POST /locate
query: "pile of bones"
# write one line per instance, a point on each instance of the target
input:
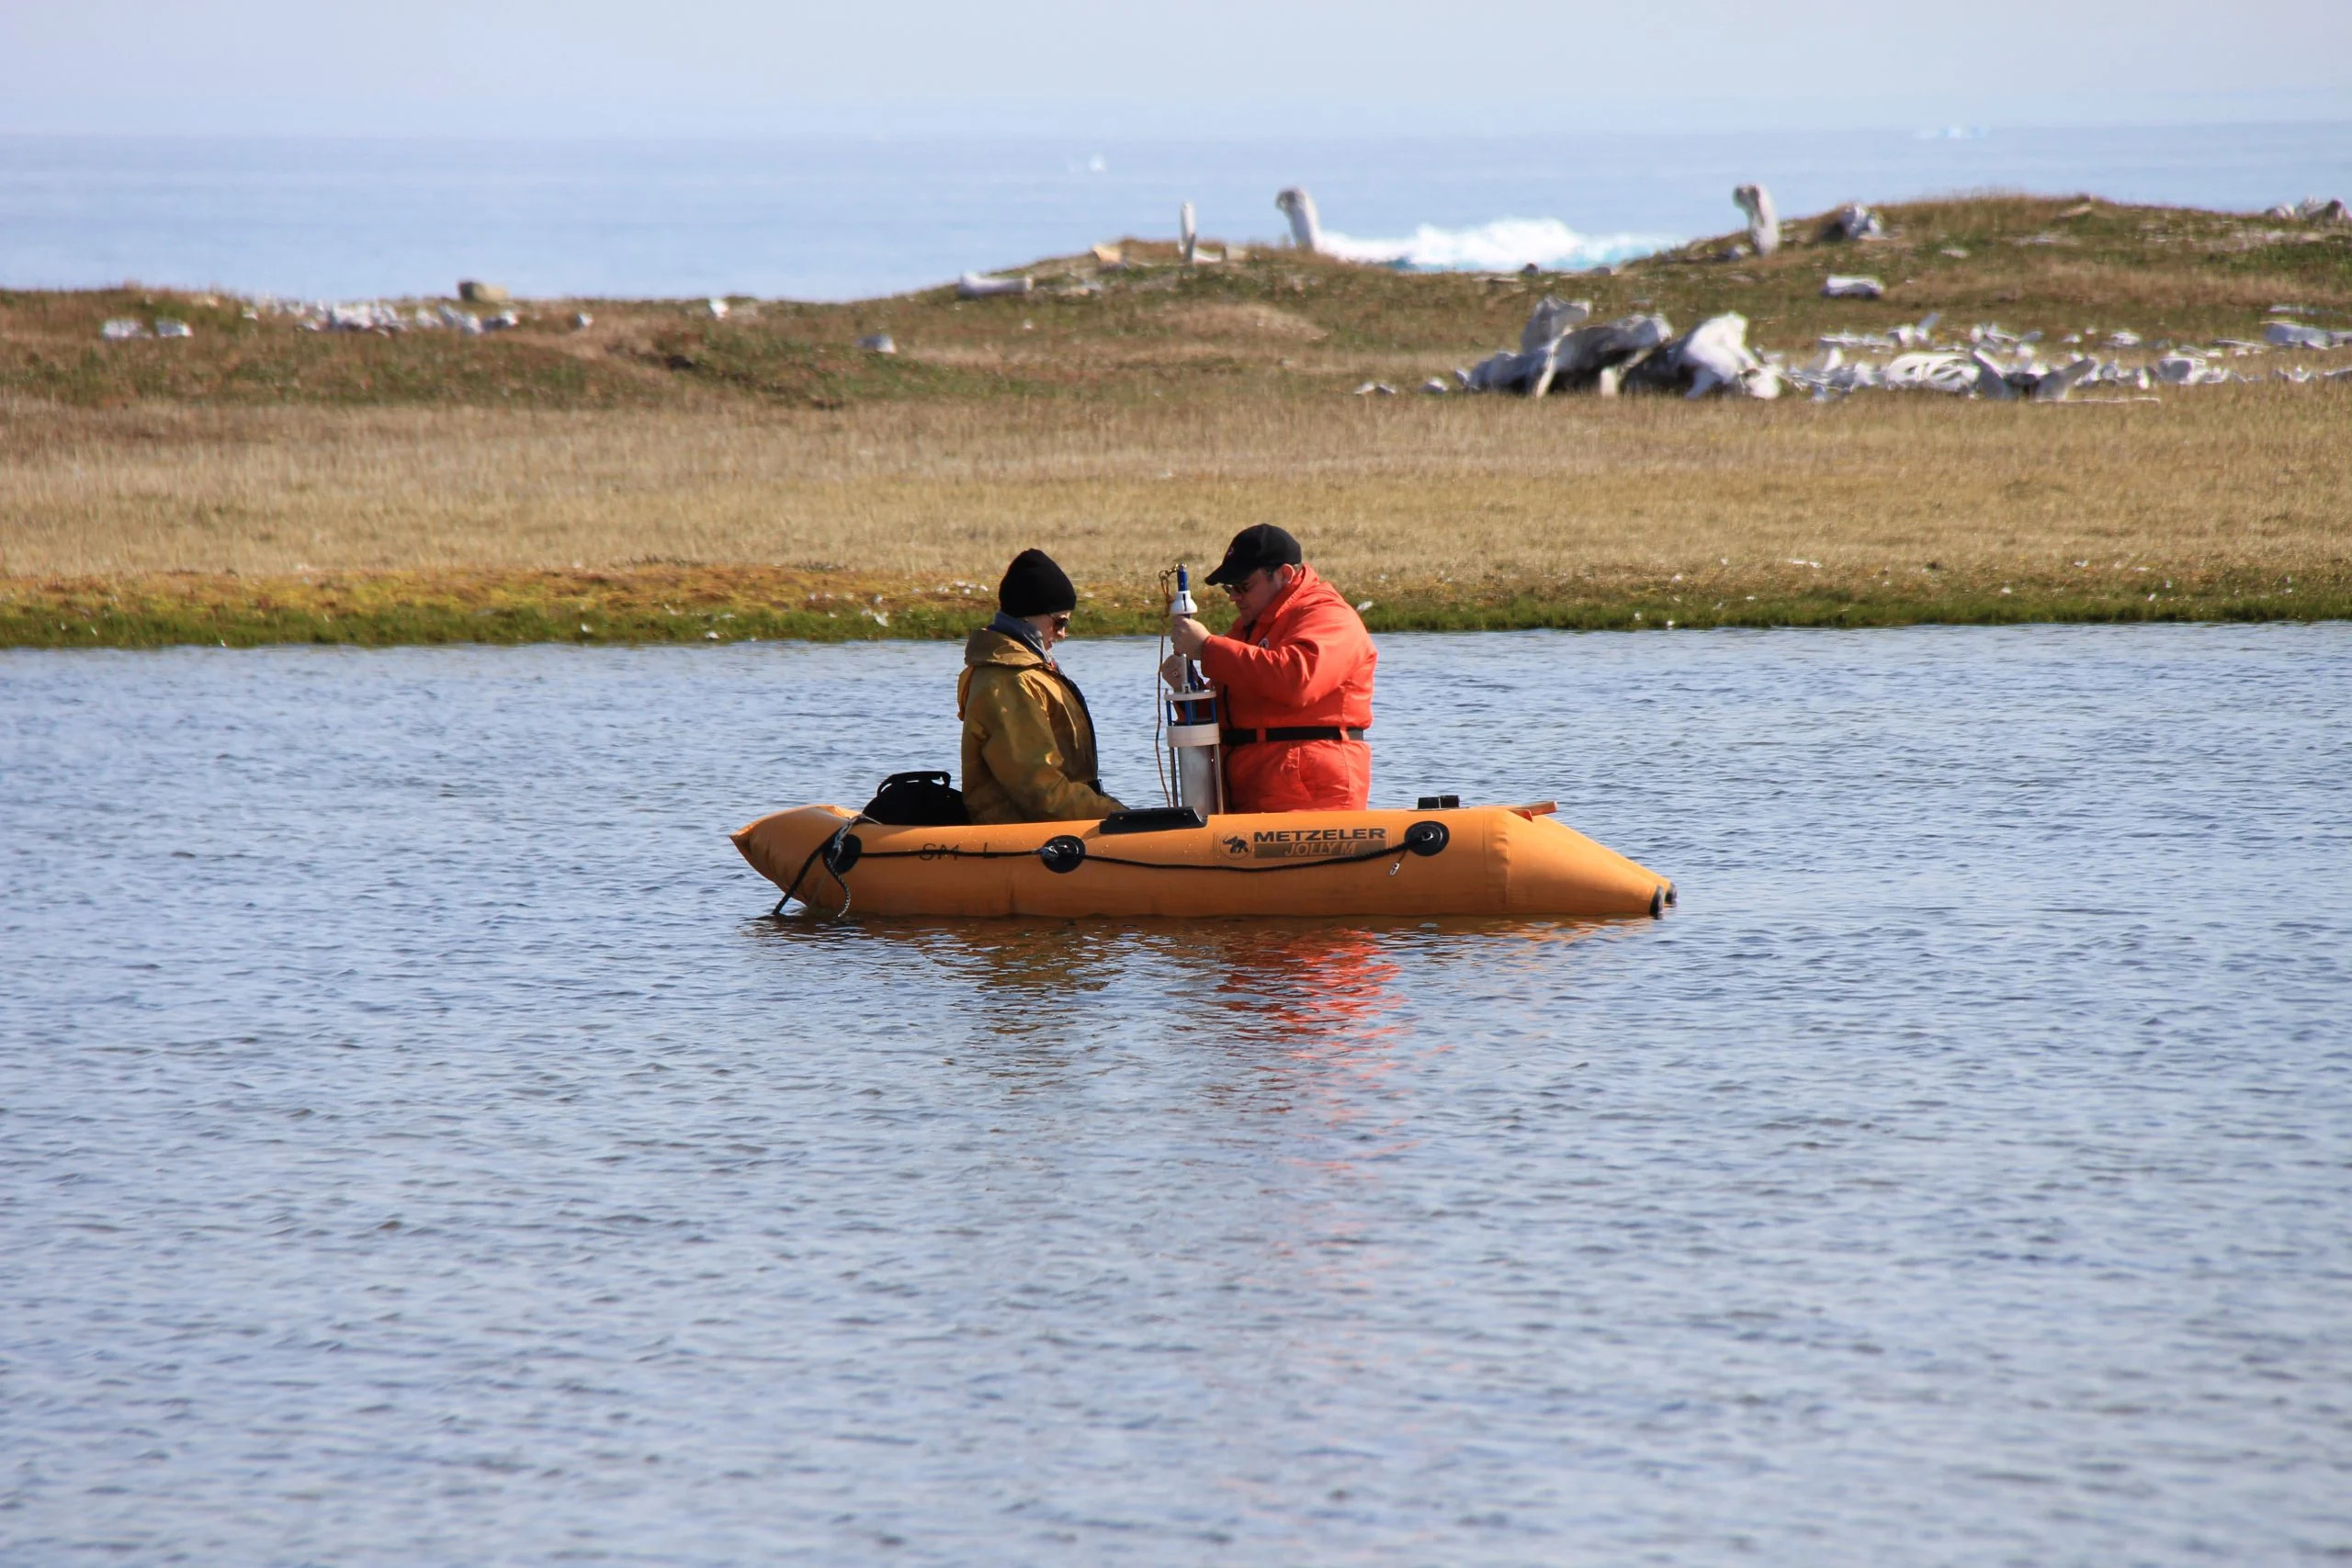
(1560, 350)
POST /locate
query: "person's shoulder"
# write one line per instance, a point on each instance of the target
(985, 677)
(1317, 596)
(988, 648)
(1008, 682)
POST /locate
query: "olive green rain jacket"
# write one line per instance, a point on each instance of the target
(1028, 739)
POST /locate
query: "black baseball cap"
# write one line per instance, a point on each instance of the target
(1259, 545)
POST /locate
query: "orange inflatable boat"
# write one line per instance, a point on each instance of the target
(1480, 860)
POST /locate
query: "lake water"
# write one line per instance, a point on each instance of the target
(422, 1147)
(849, 216)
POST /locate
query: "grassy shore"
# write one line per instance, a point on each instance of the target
(663, 475)
(739, 603)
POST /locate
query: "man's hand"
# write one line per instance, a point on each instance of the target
(1189, 636)
(1172, 670)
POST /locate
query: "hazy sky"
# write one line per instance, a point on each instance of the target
(690, 66)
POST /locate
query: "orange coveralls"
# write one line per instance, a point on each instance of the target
(1306, 662)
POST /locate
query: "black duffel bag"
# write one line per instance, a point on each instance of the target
(917, 800)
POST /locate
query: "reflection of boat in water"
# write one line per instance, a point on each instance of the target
(1485, 859)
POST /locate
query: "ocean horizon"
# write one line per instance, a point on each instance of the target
(864, 214)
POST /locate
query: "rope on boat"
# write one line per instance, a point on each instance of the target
(1065, 853)
(835, 862)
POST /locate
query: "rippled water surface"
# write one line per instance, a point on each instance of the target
(422, 1147)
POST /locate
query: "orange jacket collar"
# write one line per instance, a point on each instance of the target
(1274, 605)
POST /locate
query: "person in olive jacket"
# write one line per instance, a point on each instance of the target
(1028, 739)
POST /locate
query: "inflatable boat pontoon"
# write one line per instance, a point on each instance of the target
(1480, 860)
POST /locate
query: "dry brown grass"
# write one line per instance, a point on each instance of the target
(1414, 489)
(1123, 420)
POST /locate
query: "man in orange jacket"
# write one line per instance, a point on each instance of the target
(1294, 678)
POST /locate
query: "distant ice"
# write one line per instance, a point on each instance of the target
(1504, 245)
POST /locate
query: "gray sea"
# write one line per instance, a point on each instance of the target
(843, 216)
(422, 1145)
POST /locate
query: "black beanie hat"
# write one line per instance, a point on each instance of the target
(1033, 586)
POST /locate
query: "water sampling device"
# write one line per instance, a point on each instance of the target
(1195, 746)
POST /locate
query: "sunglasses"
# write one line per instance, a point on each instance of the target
(1061, 623)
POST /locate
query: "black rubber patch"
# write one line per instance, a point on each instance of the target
(1427, 838)
(842, 852)
(1152, 819)
(1062, 853)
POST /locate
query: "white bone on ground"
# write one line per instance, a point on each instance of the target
(1763, 219)
(1306, 227)
(1716, 356)
(1551, 321)
(2294, 335)
(1854, 221)
(1933, 372)
(2056, 387)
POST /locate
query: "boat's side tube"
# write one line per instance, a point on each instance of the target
(1481, 861)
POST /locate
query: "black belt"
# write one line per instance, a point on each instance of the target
(1291, 732)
